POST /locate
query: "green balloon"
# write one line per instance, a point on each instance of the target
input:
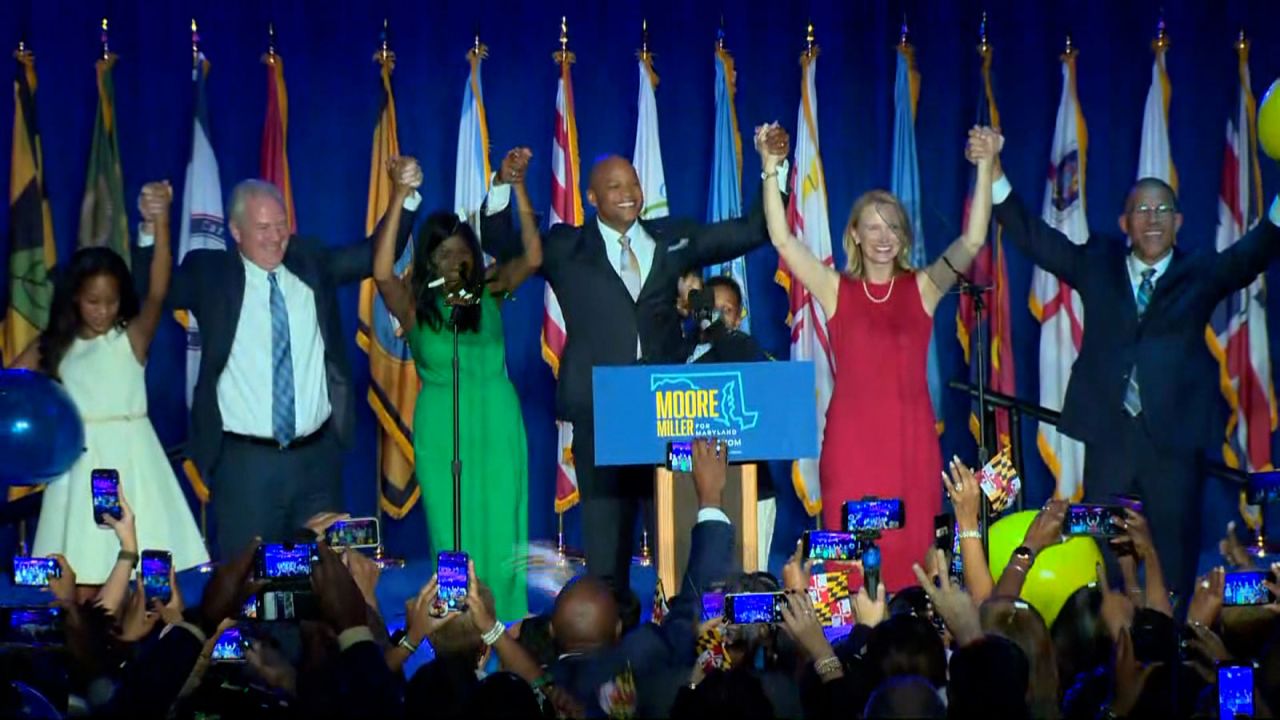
(1058, 571)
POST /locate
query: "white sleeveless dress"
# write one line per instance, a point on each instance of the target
(108, 385)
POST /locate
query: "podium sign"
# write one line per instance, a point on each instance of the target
(762, 410)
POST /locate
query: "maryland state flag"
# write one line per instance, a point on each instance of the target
(103, 217)
(275, 133)
(32, 253)
(988, 271)
(393, 382)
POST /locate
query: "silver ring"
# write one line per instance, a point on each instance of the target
(959, 486)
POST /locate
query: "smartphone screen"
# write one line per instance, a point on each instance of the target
(106, 495)
(864, 515)
(1246, 588)
(278, 605)
(1264, 487)
(712, 605)
(32, 625)
(286, 560)
(229, 647)
(957, 560)
(35, 571)
(751, 608)
(353, 533)
(451, 576)
(680, 456)
(250, 609)
(1235, 691)
(1099, 521)
(832, 545)
(155, 575)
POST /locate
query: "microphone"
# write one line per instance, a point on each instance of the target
(871, 570)
(967, 286)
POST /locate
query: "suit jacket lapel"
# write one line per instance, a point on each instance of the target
(660, 244)
(235, 290)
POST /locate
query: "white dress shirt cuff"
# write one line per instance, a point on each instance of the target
(145, 239)
(195, 631)
(412, 202)
(712, 514)
(1274, 212)
(1000, 190)
(351, 636)
(499, 196)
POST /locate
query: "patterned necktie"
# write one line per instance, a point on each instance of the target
(630, 267)
(282, 406)
(1132, 398)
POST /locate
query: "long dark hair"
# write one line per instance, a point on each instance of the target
(64, 314)
(438, 227)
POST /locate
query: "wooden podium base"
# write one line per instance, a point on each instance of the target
(676, 506)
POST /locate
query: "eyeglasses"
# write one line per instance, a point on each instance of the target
(1161, 211)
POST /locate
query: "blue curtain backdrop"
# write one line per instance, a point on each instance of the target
(333, 102)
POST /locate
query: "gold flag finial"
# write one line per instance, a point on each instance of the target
(902, 39)
(384, 55)
(1069, 50)
(808, 38)
(1162, 36)
(1242, 42)
(195, 43)
(983, 45)
(720, 34)
(644, 37)
(563, 55)
(106, 48)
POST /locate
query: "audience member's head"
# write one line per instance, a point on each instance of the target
(752, 645)
(733, 694)
(728, 300)
(441, 689)
(688, 282)
(1020, 622)
(503, 695)
(459, 638)
(585, 616)
(905, 696)
(1080, 640)
(1171, 690)
(989, 678)
(534, 635)
(1155, 637)
(907, 645)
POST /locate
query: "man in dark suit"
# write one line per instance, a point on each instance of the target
(1142, 392)
(586, 624)
(614, 277)
(273, 405)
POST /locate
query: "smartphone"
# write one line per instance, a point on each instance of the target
(106, 495)
(282, 561)
(1099, 521)
(354, 533)
(250, 609)
(35, 571)
(865, 515)
(1246, 588)
(832, 545)
(230, 647)
(957, 559)
(1235, 691)
(1263, 487)
(451, 578)
(34, 625)
(752, 608)
(680, 456)
(280, 605)
(156, 565)
(712, 605)
(944, 531)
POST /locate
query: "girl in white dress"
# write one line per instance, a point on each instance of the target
(96, 345)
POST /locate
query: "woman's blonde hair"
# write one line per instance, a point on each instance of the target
(876, 198)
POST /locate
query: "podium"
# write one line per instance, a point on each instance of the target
(762, 411)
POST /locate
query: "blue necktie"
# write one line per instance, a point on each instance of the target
(1132, 399)
(282, 406)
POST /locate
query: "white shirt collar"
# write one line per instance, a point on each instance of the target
(611, 236)
(1136, 266)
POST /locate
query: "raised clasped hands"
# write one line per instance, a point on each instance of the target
(984, 145)
(405, 173)
(514, 166)
(773, 144)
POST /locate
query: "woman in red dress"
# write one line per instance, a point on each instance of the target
(880, 437)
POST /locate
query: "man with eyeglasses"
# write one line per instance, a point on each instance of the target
(1142, 394)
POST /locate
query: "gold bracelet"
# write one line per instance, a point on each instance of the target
(828, 665)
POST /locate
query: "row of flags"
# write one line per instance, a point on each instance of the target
(1237, 333)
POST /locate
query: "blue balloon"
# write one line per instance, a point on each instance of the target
(41, 434)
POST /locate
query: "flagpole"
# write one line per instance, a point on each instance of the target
(645, 558)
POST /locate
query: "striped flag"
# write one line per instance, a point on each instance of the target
(905, 185)
(393, 380)
(103, 217)
(275, 133)
(472, 171)
(725, 194)
(647, 157)
(1055, 304)
(566, 207)
(1237, 331)
(989, 270)
(32, 252)
(1155, 157)
(807, 216)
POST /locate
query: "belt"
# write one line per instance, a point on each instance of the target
(295, 444)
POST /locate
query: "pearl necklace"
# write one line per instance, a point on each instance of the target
(883, 300)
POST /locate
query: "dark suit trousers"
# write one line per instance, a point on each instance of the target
(263, 491)
(1169, 484)
(611, 499)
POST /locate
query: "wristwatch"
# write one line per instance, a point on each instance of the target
(777, 170)
(1024, 553)
(400, 638)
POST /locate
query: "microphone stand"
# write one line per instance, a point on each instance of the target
(456, 466)
(979, 348)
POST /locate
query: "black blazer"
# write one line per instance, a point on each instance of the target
(210, 284)
(601, 319)
(1177, 375)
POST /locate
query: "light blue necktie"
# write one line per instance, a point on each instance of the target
(282, 406)
(1132, 399)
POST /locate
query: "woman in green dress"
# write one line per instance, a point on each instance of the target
(448, 269)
